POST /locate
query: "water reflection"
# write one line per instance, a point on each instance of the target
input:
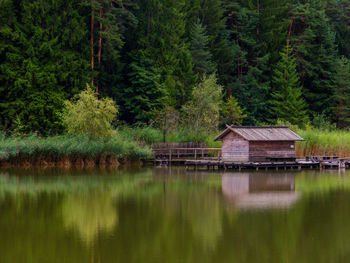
(259, 191)
(171, 215)
(90, 214)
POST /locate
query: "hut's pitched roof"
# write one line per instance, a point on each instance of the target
(265, 133)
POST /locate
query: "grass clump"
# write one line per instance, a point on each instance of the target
(54, 149)
(324, 142)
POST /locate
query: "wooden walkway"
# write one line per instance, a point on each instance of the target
(210, 158)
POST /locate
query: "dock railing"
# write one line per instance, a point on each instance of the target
(187, 153)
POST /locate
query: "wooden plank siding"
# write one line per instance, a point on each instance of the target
(235, 148)
(265, 150)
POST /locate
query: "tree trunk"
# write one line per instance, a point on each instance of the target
(92, 41)
(99, 45)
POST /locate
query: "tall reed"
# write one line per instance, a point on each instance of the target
(54, 149)
(323, 142)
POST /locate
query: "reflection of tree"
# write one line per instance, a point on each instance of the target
(202, 209)
(90, 214)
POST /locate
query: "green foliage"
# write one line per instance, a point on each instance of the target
(202, 111)
(146, 92)
(141, 134)
(287, 102)
(322, 122)
(90, 116)
(232, 113)
(72, 147)
(149, 55)
(342, 94)
(314, 43)
(43, 60)
(200, 53)
(324, 142)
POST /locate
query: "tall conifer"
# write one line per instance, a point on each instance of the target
(287, 103)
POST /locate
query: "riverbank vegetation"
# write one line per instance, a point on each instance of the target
(69, 151)
(285, 59)
(174, 70)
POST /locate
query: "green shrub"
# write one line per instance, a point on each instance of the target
(90, 116)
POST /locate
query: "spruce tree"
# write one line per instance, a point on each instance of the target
(244, 67)
(145, 95)
(313, 39)
(287, 103)
(232, 113)
(342, 95)
(201, 56)
(43, 60)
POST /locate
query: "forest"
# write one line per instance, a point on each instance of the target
(199, 64)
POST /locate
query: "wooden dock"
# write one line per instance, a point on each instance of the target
(211, 158)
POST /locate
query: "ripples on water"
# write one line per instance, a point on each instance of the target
(170, 215)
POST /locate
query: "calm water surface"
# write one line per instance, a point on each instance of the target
(170, 215)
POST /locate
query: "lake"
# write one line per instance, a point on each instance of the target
(171, 215)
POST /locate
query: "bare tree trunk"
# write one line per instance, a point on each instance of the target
(99, 45)
(92, 41)
(289, 34)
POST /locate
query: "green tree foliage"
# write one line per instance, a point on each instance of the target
(287, 103)
(342, 95)
(313, 40)
(43, 60)
(200, 53)
(90, 116)
(148, 55)
(146, 93)
(201, 113)
(244, 69)
(232, 113)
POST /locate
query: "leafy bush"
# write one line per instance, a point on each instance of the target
(89, 116)
(202, 110)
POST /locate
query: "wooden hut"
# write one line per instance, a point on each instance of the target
(258, 144)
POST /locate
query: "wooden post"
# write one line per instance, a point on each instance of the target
(202, 153)
(170, 155)
(195, 154)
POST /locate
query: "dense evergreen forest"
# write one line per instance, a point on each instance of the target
(252, 61)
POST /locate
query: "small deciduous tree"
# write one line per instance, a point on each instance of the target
(231, 112)
(202, 110)
(90, 116)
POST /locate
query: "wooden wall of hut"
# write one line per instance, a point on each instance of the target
(235, 148)
(264, 151)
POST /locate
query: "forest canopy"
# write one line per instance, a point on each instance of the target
(273, 60)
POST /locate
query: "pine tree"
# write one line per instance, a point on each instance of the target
(43, 60)
(313, 40)
(244, 67)
(287, 103)
(201, 56)
(145, 95)
(342, 96)
(232, 113)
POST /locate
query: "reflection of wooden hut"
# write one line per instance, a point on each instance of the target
(271, 143)
(253, 191)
